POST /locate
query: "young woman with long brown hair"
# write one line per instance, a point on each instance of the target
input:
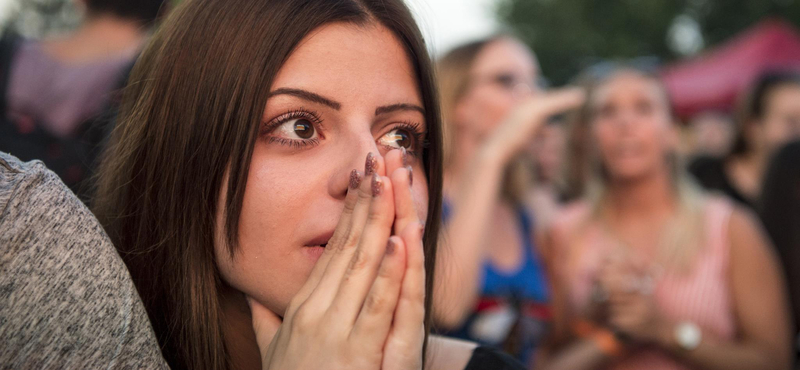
(268, 183)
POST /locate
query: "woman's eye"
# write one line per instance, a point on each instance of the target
(398, 138)
(298, 128)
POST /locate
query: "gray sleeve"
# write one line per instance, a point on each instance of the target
(66, 299)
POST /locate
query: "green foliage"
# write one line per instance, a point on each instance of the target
(36, 18)
(569, 35)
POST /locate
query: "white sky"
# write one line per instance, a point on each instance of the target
(445, 23)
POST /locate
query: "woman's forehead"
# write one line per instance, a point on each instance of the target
(352, 63)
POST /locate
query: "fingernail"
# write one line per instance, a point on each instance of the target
(355, 179)
(377, 185)
(390, 247)
(371, 164)
(405, 156)
(410, 175)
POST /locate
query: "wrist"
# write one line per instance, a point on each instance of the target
(608, 343)
(680, 338)
(665, 336)
(493, 155)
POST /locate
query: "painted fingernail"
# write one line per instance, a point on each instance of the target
(377, 185)
(390, 246)
(410, 175)
(355, 179)
(371, 164)
(405, 156)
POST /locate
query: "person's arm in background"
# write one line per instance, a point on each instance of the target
(68, 300)
(563, 350)
(461, 253)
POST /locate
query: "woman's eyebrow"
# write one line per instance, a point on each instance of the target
(398, 107)
(307, 95)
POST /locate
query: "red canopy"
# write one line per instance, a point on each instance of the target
(714, 80)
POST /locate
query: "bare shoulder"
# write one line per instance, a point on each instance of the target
(750, 249)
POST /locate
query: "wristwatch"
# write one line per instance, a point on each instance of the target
(688, 335)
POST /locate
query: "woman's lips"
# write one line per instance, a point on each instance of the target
(314, 251)
(320, 240)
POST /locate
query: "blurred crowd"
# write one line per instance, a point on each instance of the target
(614, 234)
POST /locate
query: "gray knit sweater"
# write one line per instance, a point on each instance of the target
(66, 298)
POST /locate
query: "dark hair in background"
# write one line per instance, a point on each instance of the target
(753, 107)
(780, 212)
(190, 115)
(144, 11)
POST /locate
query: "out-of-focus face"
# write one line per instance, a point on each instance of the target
(781, 121)
(344, 92)
(502, 73)
(713, 134)
(632, 126)
(548, 150)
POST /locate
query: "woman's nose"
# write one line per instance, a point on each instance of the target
(365, 158)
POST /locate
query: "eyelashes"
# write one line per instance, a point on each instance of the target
(417, 134)
(276, 131)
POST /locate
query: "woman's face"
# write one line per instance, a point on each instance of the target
(781, 122)
(632, 126)
(344, 92)
(503, 72)
(547, 150)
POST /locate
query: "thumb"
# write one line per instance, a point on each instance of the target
(265, 324)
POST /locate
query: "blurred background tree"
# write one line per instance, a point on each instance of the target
(570, 35)
(36, 18)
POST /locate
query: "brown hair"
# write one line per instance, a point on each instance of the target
(190, 114)
(753, 106)
(453, 73)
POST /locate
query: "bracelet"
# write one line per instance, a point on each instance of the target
(584, 328)
(608, 343)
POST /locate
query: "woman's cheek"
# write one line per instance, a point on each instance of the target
(419, 193)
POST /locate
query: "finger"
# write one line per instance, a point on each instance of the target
(339, 235)
(363, 266)
(410, 314)
(265, 324)
(344, 247)
(375, 318)
(405, 209)
(394, 160)
(558, 101)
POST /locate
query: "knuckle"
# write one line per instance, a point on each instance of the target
(359, 261)
(364, 195)
(337, 241)
(303, 320)
(350, 204)
(351, 240)
(376, 303)
(376, 215)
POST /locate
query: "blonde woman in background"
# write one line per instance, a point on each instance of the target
(650, 272)
(492, 287)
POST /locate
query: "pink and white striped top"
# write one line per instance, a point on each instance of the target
(701, 295)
